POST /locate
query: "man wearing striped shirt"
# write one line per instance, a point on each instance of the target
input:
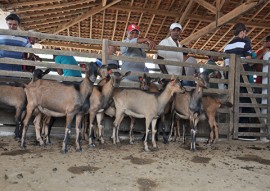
(241, 46)
(13, 22)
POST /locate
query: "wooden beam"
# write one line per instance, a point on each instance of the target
(58, 11)
(79, 29)
(115, 23)
(80, 18)
(207, 5)
(149, 26)
(229, 30)
(141, 16)
(27, 3)
(70, 45)
(91, 26)
(54, 6)
(186, 12)
(103, 24)
(152, 19)
(127, 22)
(209, 39)
(169, 13)
(104, 2)
(222, 20)
(56, 16)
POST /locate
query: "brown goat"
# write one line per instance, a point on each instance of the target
(189, 106)
(59, 99)
(140, 104)
(100, 101)
(13, 95)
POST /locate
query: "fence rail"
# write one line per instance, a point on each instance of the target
(233, 82)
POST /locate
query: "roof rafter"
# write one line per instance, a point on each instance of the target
(55, 6)
(80, 18)
(176, 14)
(207, 5)
(243, 8)
(187, 10)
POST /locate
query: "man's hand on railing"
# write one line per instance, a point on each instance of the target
(151, 44)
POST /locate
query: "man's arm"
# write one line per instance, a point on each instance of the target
(60, 71)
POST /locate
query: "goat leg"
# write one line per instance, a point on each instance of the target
(184, 133)
(177, 133)
(154, 122)
(100, 116)
(91, 131)
(146, 149)
(26, 124)
(78, 132)
(118, 119)
(164, 136)
(67, 132)
(37, 124)
(193, 140)
(172, 127)
(131, 137)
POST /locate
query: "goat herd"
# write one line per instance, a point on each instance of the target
(47, 99)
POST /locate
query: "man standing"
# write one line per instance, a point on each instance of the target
(61, 59)
(133, 36)
(172, 40)
(13, 22)
(241, 46)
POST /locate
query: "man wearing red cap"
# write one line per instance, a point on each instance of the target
(172, 40)
(133, 32)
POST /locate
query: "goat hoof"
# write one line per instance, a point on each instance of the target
(92, 145)
(193, 150)
(131, 142)
(23, 147)
(64, 151)
(146, 150)
(79, 150)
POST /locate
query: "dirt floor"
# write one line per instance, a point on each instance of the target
(235, 165)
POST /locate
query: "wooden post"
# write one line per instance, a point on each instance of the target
(267, 129)
(236, 97)
(231, 87)
(105, 44)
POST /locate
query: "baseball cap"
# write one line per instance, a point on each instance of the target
(13, 16)
(175, 25)
(133, 27)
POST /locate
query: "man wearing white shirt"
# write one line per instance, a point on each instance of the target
(173, 41)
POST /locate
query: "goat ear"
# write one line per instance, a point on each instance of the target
(47, 71)
(127, 74)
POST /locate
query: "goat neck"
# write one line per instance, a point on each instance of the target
(86, 88)
(107, 91)
(195, 99)
(166, 95)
